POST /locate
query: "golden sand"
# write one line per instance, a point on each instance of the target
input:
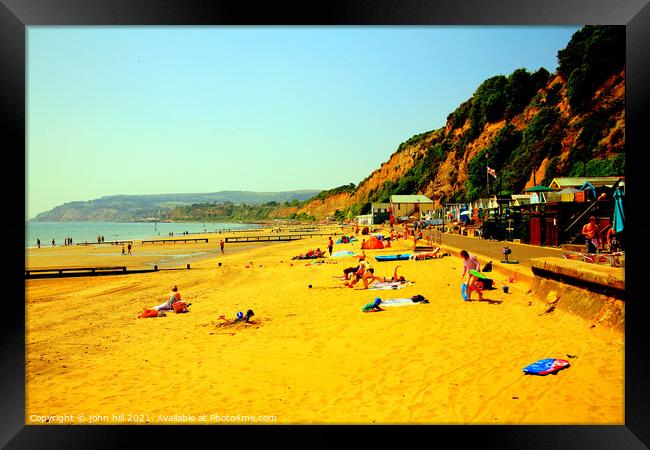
(312, 356)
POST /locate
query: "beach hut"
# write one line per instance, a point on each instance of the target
(410, 205)
(521, 199)
(567, 194)
(577, 182)
(588, 192)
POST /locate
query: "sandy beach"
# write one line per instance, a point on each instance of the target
(311, 356)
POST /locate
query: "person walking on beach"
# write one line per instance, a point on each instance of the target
(38, 243)
(221, 244)
(123, 250)
(330, 245)
(129, 248)
(590, 232)
(470, 263)
(53, 243)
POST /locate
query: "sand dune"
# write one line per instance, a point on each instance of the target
(312, 356)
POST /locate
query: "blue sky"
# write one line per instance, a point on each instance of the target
(153, 110)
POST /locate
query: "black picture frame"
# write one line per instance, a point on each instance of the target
(16, 15)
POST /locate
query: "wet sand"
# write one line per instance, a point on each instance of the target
(312, 356)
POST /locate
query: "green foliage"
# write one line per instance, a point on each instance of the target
(600, 167)
(303, 217)
(495, 155)
(520, 89)
(553, 95)
(488, 104)
(459, 116)
(384, 192)
(541, 138)
(593, 54)
(578, 90)
(595, 126)
(337, 190)
(552, 170)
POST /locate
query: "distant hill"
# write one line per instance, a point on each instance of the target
(123, 208)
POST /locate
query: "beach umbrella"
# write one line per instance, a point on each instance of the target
(619, 214)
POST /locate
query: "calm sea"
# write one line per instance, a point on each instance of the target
(88, 231)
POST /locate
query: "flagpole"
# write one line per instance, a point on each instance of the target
(487, 178)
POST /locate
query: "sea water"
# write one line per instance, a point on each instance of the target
(113, 231)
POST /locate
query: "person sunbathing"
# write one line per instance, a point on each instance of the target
(394, 279)
(311, 254)
(174, 296)
(427, 255)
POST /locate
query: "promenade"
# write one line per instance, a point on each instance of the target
(485, 248)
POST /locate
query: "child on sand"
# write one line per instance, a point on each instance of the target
(470, 263)
(240, 317)
(372, 306)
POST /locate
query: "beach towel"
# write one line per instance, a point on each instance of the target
(546, 366)
(343, 254)
(148, 313)
(400, 302)
(385, 285)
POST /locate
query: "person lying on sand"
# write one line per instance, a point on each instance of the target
(174, 296)
(311, 254)
(240, 317)
(394, 279)
(372, 306)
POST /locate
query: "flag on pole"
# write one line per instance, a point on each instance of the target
(491, 171)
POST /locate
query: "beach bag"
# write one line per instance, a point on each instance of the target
(149, 313)
(179, 307)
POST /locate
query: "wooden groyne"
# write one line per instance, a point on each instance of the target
(275, 238)
(105, 242)
(195, 240)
